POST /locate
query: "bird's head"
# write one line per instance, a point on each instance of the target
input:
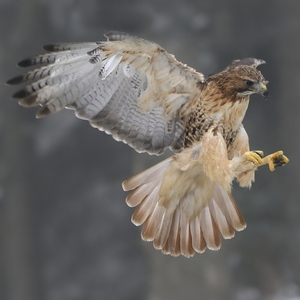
(248, 80)
(241, 78)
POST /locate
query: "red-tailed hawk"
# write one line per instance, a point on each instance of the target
(140, 94)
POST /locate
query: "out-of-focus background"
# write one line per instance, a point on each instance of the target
(65, 230)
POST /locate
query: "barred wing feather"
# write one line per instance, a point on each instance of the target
(126, 86)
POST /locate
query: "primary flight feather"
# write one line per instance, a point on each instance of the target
(134, 90)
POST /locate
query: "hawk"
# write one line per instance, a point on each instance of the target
(136, 91)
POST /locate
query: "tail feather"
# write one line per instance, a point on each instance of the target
(185, 237)
(135, 197)
(163, 233)
(225, 228)
(146, 176)
(153, 223)
(172, 245)
(198, 241)
(229, 208)
(210, 230)
(145, 208)
(185, 225)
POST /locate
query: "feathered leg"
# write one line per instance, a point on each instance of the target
(244, 162)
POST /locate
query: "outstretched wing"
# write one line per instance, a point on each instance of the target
(126, 86)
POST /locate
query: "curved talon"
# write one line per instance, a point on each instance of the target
(259, 152)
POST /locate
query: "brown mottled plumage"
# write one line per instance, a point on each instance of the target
(140, 94)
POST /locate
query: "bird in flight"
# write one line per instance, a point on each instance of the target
(136, 91)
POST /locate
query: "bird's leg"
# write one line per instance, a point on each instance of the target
(274, 160)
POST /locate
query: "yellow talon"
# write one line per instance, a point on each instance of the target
(259, 152)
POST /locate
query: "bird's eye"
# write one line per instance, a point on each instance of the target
(249, 83)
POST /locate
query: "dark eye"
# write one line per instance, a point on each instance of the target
(249, 83)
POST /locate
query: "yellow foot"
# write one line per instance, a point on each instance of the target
(255, 156)
(274, 160)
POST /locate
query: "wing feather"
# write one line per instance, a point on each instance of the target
(126, 86)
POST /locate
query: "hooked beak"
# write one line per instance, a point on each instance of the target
(261, 89)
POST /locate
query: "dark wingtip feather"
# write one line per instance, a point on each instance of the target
(27, 62)
(43, 112)
(28, 101)
(50, 47)
(20, 94)
(16, 80)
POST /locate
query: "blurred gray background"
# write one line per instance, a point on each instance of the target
(65, 230)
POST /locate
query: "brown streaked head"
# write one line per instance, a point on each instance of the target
(240, 79)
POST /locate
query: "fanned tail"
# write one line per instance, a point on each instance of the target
(185, 225)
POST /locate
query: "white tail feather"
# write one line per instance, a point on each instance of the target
(172, 245)
(229, 208)
(185, 237)
(198, 240)
(225, 228)
(145, 208)
(211, 233)
(153, 223)
(146, 176)
(163, 232)
(136, 196)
